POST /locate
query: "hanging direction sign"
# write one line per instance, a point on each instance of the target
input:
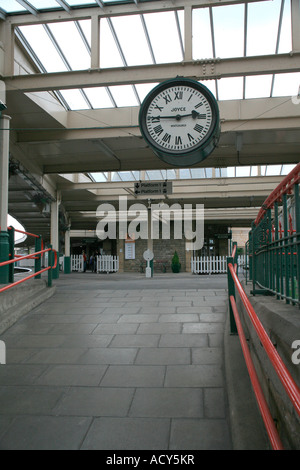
(150, 188)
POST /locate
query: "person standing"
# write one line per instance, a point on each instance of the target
(84, 261)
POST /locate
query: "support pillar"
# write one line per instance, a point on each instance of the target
(150, 240)
(295, 18)
(4, 172)
(67, 258)
(55, 233)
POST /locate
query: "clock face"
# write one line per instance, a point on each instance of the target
(178, 117)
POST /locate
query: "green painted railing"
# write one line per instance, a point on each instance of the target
(274, 243)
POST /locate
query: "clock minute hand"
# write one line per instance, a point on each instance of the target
(194, 114)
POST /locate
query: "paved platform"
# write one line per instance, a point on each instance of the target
(119, 362)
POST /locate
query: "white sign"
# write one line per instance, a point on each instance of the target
(160, 187)
(129, 250)
(148, 255)
(2, 353)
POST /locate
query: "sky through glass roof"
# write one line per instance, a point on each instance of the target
(221, 31)
(153, 38)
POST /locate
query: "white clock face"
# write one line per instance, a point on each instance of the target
(178, 118)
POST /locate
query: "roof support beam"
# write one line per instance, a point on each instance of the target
(63, 4)
(28, 7)
(200, 70)
(120, 9)
(295, 15)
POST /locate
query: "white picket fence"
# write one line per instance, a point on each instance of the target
(104, 263)
(77, 263)
(107, 264)
(213, 264)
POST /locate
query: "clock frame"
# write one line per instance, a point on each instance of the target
(179, 119)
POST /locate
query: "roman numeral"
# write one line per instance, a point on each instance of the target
(178, 95)
(153, 118)
(201, 116)
(178, 140)
(167, 99)
(166, 138)
(198, 105)
(190, 137)
(198, 128)
(160, 108)
(158, 129)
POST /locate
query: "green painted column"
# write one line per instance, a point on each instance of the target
(54, 233)
(67, 257)
(4, 169)
(4, 256)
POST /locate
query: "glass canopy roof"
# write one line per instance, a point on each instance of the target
(224, 31)
(194, 173)
(154, 38)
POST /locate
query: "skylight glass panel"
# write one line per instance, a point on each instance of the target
(258, 86)
(202, 40)
(198, 173)
(11, 6)
(127, 176)
(75, 3)
(44, 4)
(286, 84)
(74, 99)
(242, 171)
(86, 27)
(211, 85)
(154, 175)
(185, 173)
(254, 170)
(132, 39)
(171, 174)
(144, 88)
(287, 168)
(229, 30)
(230, 88)
(164, 38)
(285, 43)
(98, 97)
(43, 47)
(273, 170)
(109, 54)
(115, 176)
(263, 21)
(99, 177)
(123, 95)
(228, 172)
(71, 44)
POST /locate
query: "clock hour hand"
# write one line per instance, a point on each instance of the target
(194, 115)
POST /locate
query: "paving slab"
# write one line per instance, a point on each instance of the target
(118, 362)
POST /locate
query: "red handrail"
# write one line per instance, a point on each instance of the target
(284, 187)
(284, 375)
(23, 280)
(4, 263)
(25, 233)
(263, 406)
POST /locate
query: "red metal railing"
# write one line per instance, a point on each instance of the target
(261, 401)
(285, 187)
(284, 375)
(35, 256)
(31, 275)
